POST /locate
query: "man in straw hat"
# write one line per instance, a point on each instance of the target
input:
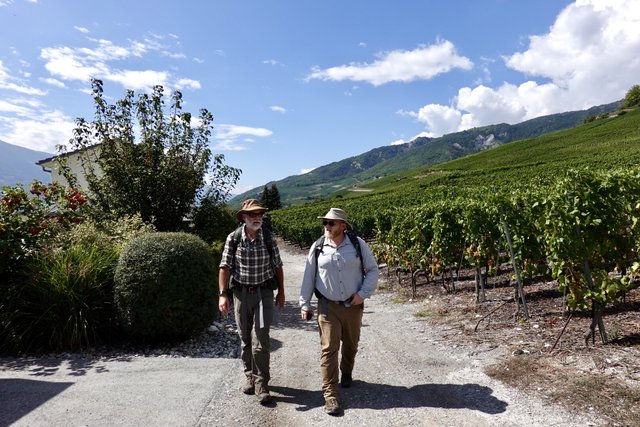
(252, 260)
(342, 272)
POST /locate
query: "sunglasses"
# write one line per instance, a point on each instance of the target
(329, 223)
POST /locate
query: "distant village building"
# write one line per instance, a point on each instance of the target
(73, 160)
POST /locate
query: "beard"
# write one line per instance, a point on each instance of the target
(253, 225)
(333, 233)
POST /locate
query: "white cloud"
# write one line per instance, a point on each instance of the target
(421, 135)
(439, 118)
(272, 62)
(13, 107)
(187, 84)
(230, 137)
(54, 82)
(9, 2)
(278, 109)
(72, 64)
(81, 29)
(7, 82)
(81, 64)
(422, 63)
(303, 171)
(139, 80)
(40, 133)
(398, 142)
(22, 89)
(587, 58)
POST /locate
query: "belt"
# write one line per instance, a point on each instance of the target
(251, 289)
(344, 303)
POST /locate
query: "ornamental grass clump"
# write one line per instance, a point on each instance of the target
(165, 287)
(61, 301)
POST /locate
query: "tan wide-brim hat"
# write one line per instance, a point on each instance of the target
(250, 206)
(337, 214)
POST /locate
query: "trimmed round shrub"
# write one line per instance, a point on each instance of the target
(165, 286)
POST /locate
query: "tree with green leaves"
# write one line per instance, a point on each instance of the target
(160, 167)
(632, 98)
(270, 197)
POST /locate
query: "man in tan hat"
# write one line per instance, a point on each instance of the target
(342, 271)
(251, 260)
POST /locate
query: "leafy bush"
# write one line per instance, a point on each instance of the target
(29, 217)
(165, 286)
(61, 300)
(113, 232)
(62, 296)
(632, 98)
(213, 221)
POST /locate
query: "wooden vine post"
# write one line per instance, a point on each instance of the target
(521, 298)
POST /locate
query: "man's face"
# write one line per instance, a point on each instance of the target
(333, 228)
(253, 221)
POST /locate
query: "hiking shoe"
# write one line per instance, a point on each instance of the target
(332, 406)
(249, 387)
(346, 380)
(262, 391)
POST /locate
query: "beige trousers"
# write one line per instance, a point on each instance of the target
(339, 324)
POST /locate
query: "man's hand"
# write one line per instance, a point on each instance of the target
(306, 313)
(223, 305)
(356, 299)
(280, 300)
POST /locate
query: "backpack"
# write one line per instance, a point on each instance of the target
(266, 238)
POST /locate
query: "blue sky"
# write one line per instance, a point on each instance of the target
(297, 84)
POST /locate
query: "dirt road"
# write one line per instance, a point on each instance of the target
(406, 374)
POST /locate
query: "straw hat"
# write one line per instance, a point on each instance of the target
(337, 214)
(250, 206)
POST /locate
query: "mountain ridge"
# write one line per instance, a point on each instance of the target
(18, 165)
(422, 151)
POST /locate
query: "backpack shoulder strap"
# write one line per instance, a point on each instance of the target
(356, 243)
(319, 244)
(266, 237)
(235, 241)
(237, 235)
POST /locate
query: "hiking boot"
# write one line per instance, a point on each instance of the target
(332, 406)
(346, 380)
(249, 387)
(262, 391)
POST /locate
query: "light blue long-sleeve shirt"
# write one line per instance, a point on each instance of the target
(339, 272)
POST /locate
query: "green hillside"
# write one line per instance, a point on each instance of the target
(382, 162)
(602, 144)
(605, 144)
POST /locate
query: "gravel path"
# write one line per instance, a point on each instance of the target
(406, 374)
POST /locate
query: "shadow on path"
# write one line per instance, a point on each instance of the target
(78, 365)
(18, 397)
(383, 396)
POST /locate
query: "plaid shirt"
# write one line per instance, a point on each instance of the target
(252, 263)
